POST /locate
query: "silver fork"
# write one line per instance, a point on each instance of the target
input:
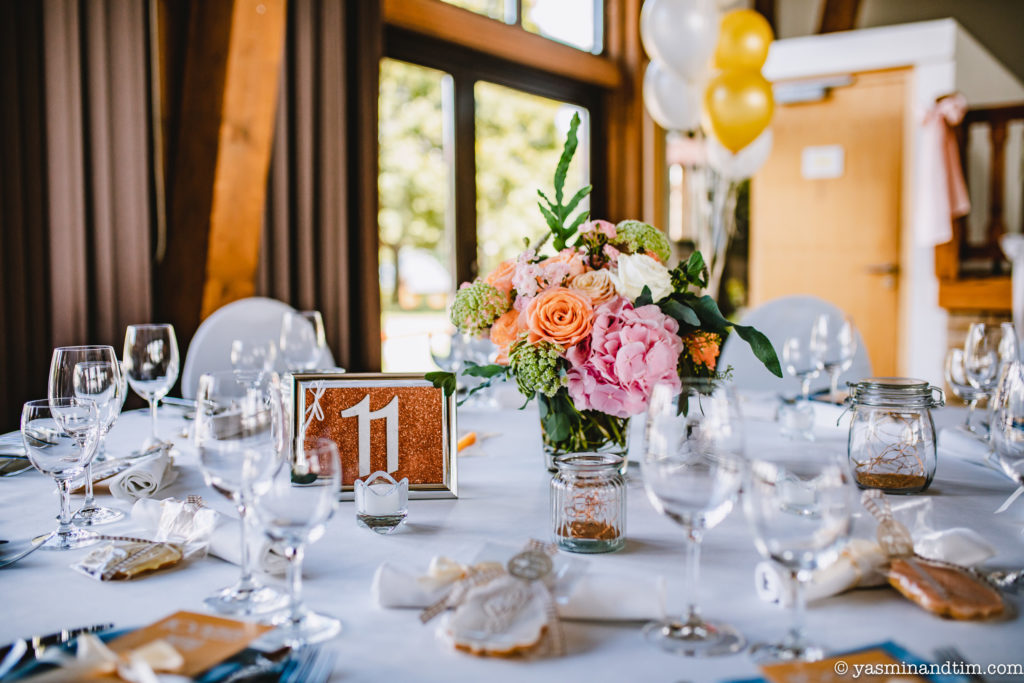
(306, 657)
(952, 655)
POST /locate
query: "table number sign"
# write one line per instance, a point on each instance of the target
(399, 424)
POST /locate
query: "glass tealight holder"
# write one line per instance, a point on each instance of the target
(381, 502)
(588, 503)
(796, 420)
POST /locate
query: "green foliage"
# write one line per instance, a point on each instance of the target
(637, 237)
(443, 380)
(555, 212)
(569, 430)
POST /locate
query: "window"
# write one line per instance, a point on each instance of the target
(574, 22)
(465, 142)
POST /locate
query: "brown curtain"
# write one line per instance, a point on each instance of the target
(74, 183)
(320, 230)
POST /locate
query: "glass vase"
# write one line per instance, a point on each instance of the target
(585, 431)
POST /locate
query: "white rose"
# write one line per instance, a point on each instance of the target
(637, 270)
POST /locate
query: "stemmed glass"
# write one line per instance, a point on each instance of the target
(294, 507)
(692, 471)
(60, 436)
(151, 363)
(956, 378)
(798, 502)
(92, 373)
(837, 340)
(1008, 424)
(804, 360)
(251, 358)
(239, 433)
(302, 339)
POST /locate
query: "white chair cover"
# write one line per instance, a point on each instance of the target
(255, 319)
(778, 320)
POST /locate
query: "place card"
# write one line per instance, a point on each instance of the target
(202, 640)
(400, 424)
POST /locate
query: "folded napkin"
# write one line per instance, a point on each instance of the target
(220, 534)
(594, 596)
(145, 479)
(860, 563)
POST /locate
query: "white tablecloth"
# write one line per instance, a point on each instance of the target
(504, 498)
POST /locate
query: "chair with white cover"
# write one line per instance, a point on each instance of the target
(779, 319)
(254, 319)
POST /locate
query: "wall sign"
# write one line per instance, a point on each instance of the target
(400, 424)
(822, 162)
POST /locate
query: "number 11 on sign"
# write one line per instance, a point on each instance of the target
(362, 412)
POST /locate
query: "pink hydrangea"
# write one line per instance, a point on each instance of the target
(628, 353)
(607, 227)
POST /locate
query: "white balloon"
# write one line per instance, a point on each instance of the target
(672, 101)
(744, 163)
(681, 33)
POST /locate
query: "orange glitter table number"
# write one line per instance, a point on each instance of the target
(396, 423)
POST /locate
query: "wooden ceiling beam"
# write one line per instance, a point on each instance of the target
(225, 127)
(838, 15)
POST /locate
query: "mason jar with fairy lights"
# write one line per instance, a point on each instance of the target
(892, 435)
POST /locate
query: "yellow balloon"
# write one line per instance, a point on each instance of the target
(739, 106)
(743, 40)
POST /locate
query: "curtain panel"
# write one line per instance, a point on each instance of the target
(319, 246)
(75, 183)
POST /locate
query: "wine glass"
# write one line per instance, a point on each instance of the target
(89, 372)
(151, 363)
(804, 360)
(302, 339)
(956, 378)
(294, 507)
(798, 502)
(981, 356)
(60, 436)
(239, 435)
(1008, 424)
(251, 358)
(837, 339)
(692, 471)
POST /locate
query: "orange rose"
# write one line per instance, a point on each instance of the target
(503, 332)
(703, 347)
(560, 315)
(501, 277)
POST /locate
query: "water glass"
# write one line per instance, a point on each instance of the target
(294, 506)
(151, 363)
(804, 359)
(91, 373)
(837, 339)
(692, 471)
(60, 436)
(302, 339)
(240, 438)
(956, 379)
(253, 357)
(1008, 424)
(798, 502)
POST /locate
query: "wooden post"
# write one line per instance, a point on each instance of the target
(838, 15)
(218, 186)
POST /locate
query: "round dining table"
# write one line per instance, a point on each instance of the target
(504, 498)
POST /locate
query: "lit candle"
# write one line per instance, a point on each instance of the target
(381, 502)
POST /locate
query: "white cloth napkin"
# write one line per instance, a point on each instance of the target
(145, 479)
(859, 564)
(594, 597)
(223, 541)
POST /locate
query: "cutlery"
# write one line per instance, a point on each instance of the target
(36, 645)
(12, 551)
(11, 465)
(17, 650)
(952, 655)
(311, 665)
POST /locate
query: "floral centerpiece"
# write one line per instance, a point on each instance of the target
(590, 329)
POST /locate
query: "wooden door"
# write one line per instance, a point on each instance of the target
(837, 238)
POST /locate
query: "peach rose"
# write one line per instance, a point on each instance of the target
(501, 277)
(503, 332)
(597, 284)
(568, 257)
(560, 315)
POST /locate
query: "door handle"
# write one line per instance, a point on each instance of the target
(882, 269)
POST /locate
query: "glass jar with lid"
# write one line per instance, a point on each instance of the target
(892, 435)
(588, 502)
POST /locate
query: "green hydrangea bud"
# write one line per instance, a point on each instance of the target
(637, 236)
(535, 366)
(477, 306)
